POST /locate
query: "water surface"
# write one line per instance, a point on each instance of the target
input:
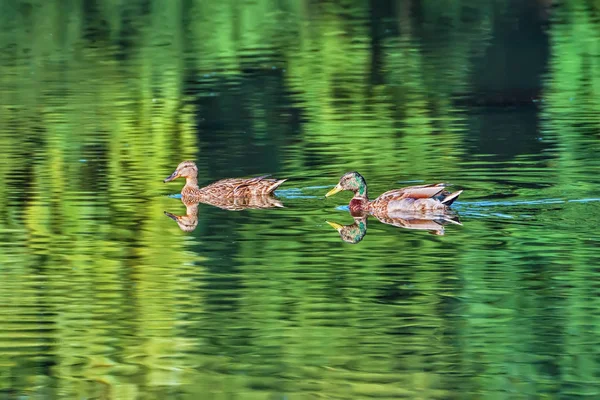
(103, 296)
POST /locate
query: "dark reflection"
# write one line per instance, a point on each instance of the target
(434, 223)
(189, 221)
(102, 99)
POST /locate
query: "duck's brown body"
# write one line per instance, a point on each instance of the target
(224, 190)
(423, 198)
(231, 188)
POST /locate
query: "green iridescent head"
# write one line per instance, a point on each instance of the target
(352, 181)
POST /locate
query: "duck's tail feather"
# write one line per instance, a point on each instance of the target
(452, 219)
(448, 200)
(274, 186)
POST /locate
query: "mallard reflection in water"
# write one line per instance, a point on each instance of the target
(434, 223)
(352, 233)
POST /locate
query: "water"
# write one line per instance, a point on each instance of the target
(103, 296)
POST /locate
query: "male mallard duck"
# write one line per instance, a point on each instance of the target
(425, 198)
(225, 188)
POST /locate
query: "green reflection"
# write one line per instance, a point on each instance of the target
(103, 296)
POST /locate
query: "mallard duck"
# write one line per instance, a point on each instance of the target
(223, 189)
(425, 198)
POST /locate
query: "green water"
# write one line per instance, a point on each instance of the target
(103, 297)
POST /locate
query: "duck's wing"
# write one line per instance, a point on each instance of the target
(259, 185)
(242, 187)
(423, 191)
(414, 192)
(252, 181)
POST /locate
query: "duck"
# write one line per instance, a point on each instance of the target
(424, 198)
(229, 188)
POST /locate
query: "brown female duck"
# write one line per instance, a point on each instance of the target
(425, 198)
(224, 189)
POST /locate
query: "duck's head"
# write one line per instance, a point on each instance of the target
(187, 223)
(185, 169)
(352, 233)
(352, 181)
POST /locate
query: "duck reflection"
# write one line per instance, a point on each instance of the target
(189, 221)
(352, 233)
(434, 223)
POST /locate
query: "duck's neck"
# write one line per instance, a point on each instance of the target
(191, 182)
(358, 205)
(191, 187)
(361, 192)
(360, 201)
(361, 197)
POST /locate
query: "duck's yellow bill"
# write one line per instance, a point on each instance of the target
(335, 226)
(333, 191)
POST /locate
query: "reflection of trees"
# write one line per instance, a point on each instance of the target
(569, 113)
(570, 123)
(98, 103)
(95, 301)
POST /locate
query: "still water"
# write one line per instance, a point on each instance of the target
(103, 296)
